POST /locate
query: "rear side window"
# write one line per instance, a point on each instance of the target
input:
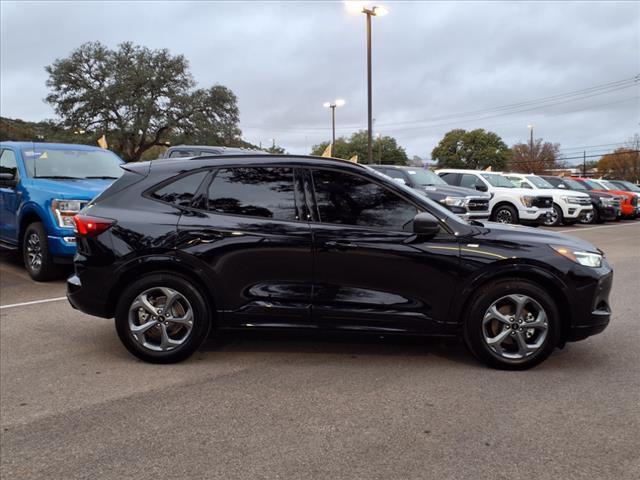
(351, 200)
(266, 192)
(181, 191)
(448, 177)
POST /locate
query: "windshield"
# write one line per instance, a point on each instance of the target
(538, 181)
(593, 185)
(573, 185)
(425, 178)
(497, 180)
(630, 187)
(45, 163)
(609, 185)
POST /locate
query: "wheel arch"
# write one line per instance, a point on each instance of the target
(160, 265)
(26, 219)
(544, 279)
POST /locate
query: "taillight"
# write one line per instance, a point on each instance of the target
(91, 226)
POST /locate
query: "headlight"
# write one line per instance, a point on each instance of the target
(455, 201)
(609, 201)
(588, 259)
(527, 200)
(572, 199)
(64, 210)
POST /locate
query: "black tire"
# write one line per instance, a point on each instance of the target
(473, 329)
(201, 317)
(36, 255)
(591, 219)
(557, 220)
(505, 214)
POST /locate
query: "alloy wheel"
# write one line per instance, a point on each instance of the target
(515, 327)
(160, 319)
(551, 219)
(34, 251)
(504, 216)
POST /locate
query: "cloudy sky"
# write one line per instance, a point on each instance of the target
(565, 67)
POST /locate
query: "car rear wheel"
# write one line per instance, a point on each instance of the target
(36, 255)
(162, 318)
(512, 325)
(505, 214)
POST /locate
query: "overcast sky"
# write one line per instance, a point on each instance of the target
(433, 63)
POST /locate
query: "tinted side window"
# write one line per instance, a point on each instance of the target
(469, 181)
(254, 191)
(181, 191)
(351, 200)
(448, 177)
(8, 163)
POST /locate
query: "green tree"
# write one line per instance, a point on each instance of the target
(475, 149)
(385, 149)
(139, 98)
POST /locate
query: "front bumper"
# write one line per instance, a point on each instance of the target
(62, 246)
(608, 213)
(594, 314)
(534, 215)
(575, 212)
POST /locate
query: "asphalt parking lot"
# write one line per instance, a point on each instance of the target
(75, 404)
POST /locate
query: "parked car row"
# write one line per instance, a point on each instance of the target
(521, 198)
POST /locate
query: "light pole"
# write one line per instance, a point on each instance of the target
(375, 11)
(530, 127)
(332, 105)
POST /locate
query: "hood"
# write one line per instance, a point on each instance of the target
(562, 192)
(524, 191)
(528, 235)
(76, 189)
(453, 191)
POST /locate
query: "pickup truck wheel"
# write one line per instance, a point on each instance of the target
(512, 324)
(590, 217)
(35, 252)
(556, 217)
(505, 214)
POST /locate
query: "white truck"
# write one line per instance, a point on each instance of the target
(508, 204)
(568, 207)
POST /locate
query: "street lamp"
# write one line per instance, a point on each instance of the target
(332, 105)
(530, 127)
(374, 11)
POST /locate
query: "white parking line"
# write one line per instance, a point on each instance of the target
(581, 229)
(57, 299)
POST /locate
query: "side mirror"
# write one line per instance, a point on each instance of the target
(481, 187)
(8, 180)
(525, 185)
(425, 224)
(400, 181)
(561, 185)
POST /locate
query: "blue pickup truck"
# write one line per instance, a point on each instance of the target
(42, 186)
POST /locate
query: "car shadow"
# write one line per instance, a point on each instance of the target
(348, 344)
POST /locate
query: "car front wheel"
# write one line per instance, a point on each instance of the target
(505, 214)
(36, 255)
(162, 318)
(512, 325)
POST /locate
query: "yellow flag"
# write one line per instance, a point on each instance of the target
(102, 141)
(327, 151)
(488, 169)
(354, 159)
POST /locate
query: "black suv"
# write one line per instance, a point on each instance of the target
(606, 207)
(465, 202)
(178, 248)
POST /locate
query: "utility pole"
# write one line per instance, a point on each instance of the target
(531, 144)
(584, 163)
(369, 101)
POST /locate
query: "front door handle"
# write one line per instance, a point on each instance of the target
(339, 245)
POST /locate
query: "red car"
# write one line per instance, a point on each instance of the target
(628, 204)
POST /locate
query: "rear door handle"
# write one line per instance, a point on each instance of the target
(339, 245)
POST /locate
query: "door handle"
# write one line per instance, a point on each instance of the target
(339, 245)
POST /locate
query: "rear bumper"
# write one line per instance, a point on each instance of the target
(84, 301)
